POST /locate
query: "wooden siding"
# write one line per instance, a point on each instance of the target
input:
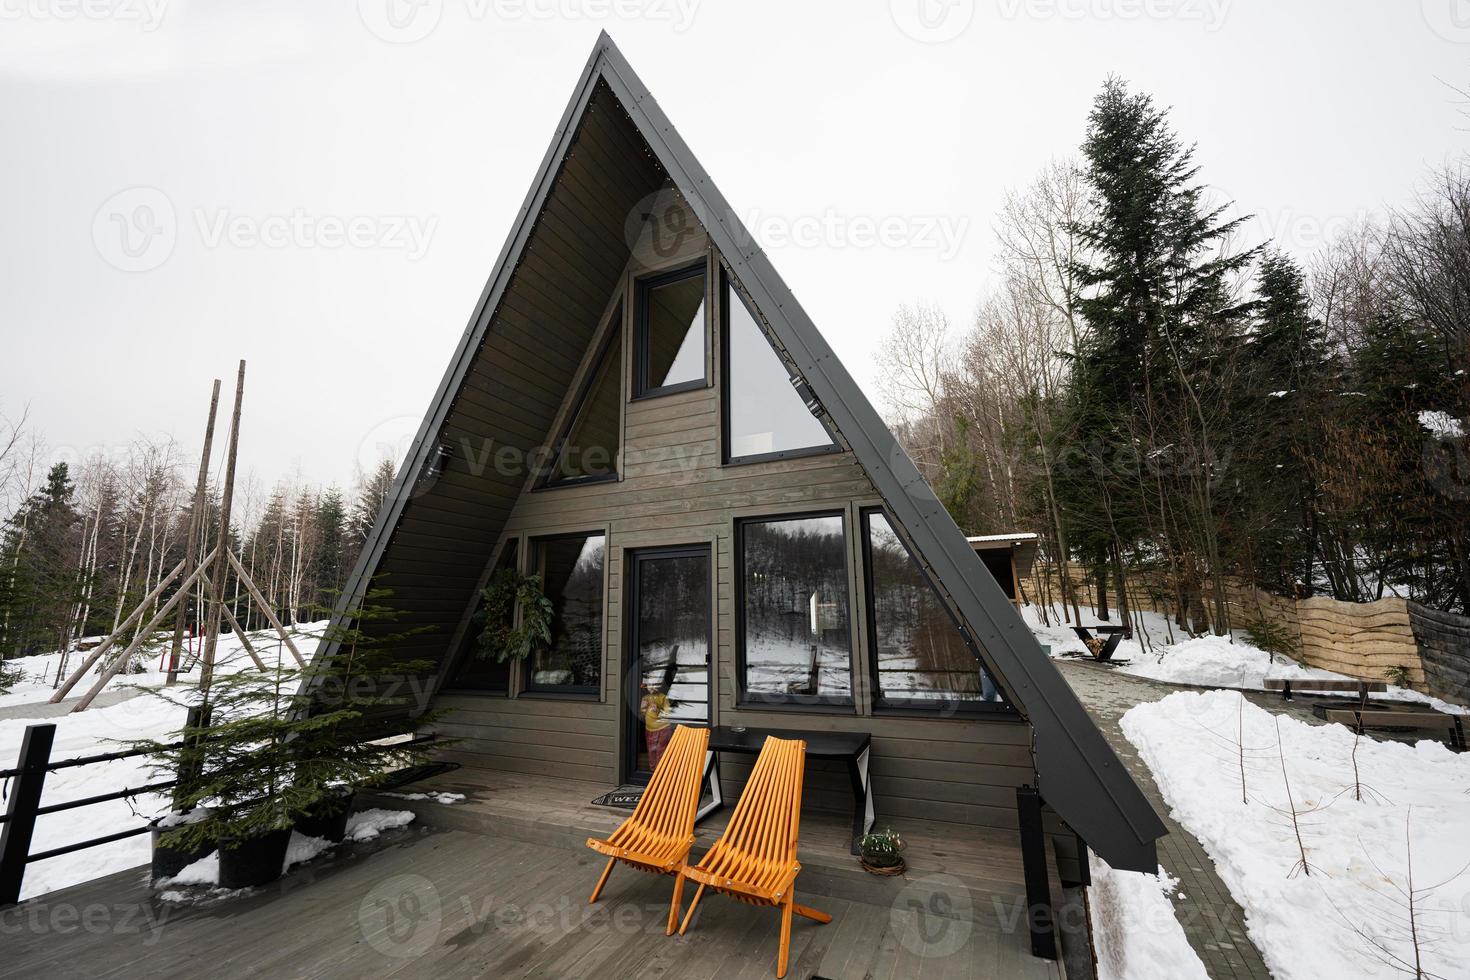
(674, 491)
(535, 341)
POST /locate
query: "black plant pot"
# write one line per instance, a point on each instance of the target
(329, 820)
(169, 861)
(254, 860)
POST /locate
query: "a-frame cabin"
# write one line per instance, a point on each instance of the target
(640, 412)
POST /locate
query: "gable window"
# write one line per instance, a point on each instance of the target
(765, 417)
(570, 567)
(587, 451)
(920, 657)
(795, 636)
(484, 674)
(670, 331)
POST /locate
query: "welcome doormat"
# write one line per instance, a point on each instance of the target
(624, 797)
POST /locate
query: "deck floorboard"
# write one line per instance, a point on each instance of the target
(447, 898)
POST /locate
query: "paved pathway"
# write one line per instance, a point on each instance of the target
(1213, 922)
(44, 709)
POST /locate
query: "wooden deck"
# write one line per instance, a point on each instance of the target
(559, 812)
(437, 901)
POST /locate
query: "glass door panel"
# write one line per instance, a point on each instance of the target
(669, 650)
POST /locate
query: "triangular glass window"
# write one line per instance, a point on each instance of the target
(765, 417)
(588, 449)
(480, 670)
(919, 655)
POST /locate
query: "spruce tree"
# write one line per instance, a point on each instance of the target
(1163, 333)
(1287, 378)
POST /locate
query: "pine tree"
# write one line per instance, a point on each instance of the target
(1163, 334)
(41, 585)
(1287, 378)
(330, 569)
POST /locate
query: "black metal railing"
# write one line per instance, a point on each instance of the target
(27, 782)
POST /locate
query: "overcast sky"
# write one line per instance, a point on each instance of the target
(188, 183)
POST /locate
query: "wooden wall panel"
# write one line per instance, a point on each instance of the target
(674, 491)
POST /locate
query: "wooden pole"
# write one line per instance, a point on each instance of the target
(122, 628)
(119, 662)
(265, 608)
(222, 546)
(244, 640)
(197, 529)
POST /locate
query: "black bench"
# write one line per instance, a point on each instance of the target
(852, 748)
(1360, 688)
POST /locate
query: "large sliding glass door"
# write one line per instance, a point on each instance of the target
(667, 660)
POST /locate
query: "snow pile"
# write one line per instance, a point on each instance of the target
(1219, 661)
(98, 730)
(368, 824)
(1134, 931)
(1441, 425)
(1345, 914)
(204, 873)
(448, 799)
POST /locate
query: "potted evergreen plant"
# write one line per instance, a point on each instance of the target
(881, 853)
(271, 750)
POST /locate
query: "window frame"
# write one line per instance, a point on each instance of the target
(823, 703)
(946, 707)
(546, 480)
(575, 692)
(730, 293)
(641, 331)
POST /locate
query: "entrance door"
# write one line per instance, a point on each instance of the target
(666, 675)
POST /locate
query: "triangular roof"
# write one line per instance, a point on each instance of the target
(1079, 774)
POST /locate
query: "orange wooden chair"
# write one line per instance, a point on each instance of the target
(658, 835)
(754, 861)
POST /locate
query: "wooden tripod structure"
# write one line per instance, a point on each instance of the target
(210, 571)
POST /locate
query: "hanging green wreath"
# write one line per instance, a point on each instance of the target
(501, 638)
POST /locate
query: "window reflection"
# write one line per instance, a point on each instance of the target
(765, 414)
(919, 653)
(671, 330)
(796, 637)
(589, 449)
(571, 574)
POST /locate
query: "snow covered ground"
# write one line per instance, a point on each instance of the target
(1208, 661)
(98, 730)
(1346, 912)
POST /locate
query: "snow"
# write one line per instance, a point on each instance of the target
(1204, 661)
(1441, 425)
(38, 678)
(98, 730)
(1135, 933)
(447, 799)
(204, 873)
(1344, 914)
(368, 824)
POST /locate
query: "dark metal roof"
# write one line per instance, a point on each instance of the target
(1079, 774)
